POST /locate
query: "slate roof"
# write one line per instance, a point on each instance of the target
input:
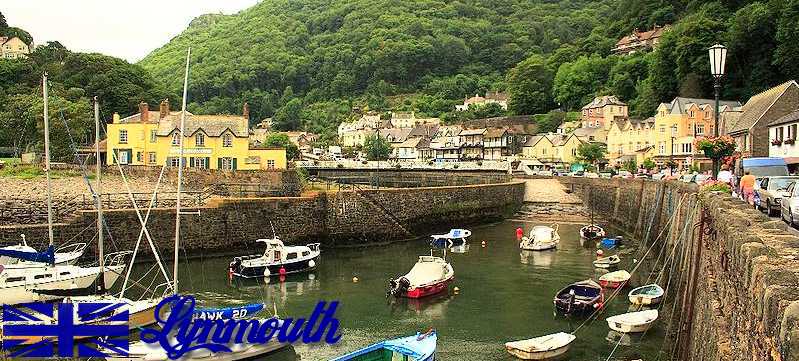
(494, 133)
(787, 118)
(423, 130)
(211, 125)
(395, 135)
(418, 143)
(680, 105)
(478, 131)
(757, 105)
(602, 101)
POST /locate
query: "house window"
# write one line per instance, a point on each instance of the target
(151, 158)
(662, 148)
(174, 161)
(123, 136)
(153, 136)
(227, 163)
(227, 140)
(139, 157)
(199, 140)
(201, 163)
(662, 128)
(700, 129)
(779, 133)
(124, 157)
(792, 131)
(175, 138)
(270, 164)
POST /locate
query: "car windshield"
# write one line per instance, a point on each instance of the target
(780, 183)
(767, 171)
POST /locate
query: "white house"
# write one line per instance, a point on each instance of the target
(478, 101)
(415, 149)
(782, 137)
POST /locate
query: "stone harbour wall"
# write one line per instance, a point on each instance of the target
(740, 300)
(346, 218)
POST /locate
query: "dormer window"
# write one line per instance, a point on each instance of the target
(227, 140)
(199, 140)
(176, 138)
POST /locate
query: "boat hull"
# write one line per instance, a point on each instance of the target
(429, 290)
(147, 352)
(540, 246)
(612, 284)
(274, 270)
(23, 293)
(555, 354)
(628, 328)
(644, 300)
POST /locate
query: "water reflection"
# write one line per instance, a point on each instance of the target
(541, 259)
(433, 307)
(460, 249)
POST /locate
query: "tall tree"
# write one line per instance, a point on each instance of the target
(530, 86)
(376, 147)
(788, 40)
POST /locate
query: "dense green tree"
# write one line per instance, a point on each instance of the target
(648, 164)
(591, 153)
(3, 23)
(788, 40)
(288, 116)
(282, 141)
(625, 75)
(576, 83)
(530, 86)
(376, 147)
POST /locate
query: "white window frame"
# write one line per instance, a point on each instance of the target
(199, 140)
(227, 140)
(176, 138)
(199, 162)
(227, 163)
(123, 136)
(270, 164)
(153, 136)
(174, 161)
(123, 157)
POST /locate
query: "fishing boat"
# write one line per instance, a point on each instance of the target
(607, 262)
(420, 347)
(429, 276)
(616, 279)
(650, 294)
(579, 297)
(455, 237)
(277, 259)
(547, 347)
(633, 322)
(541, 238)
(592, 231)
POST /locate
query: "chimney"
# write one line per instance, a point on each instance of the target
(164, 108)
(144, 111)
(116, 118)
(245, 111)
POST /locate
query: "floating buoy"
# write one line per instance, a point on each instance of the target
(282, 271)
(355, 279)
(456, 290)
(599, 252)
(483, 244)
(635, 261)
(519, 233)
(311, 264)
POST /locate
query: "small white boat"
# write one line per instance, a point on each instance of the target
(607, 262)
(650, 294)
(456, 237)
(541, 238)
(592, 231)
(616, 279)
(429, 276)
(67, 254)
(541, 348)
(277, 259)
(633, 322)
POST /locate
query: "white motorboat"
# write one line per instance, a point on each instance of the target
(633, 322)
(456, 237)
(592, 231)
(66, 254)
(430, 275)
(541, 238)
(650, 294)
(547, 347)
(607, 262)
(277, 259)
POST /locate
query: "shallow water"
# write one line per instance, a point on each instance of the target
(504, 295)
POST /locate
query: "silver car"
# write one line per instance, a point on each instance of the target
(770, 191)
(789, 205)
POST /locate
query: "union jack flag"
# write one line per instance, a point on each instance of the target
(94, 329)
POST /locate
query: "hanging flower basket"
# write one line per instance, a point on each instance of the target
(716, 147)
(776, 142)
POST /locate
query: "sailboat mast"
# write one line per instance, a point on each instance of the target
(180, 171)
(99, 191)
(47, 161)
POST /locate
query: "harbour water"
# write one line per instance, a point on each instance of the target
(504, 295)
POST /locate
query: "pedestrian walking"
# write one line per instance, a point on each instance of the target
(748, 188)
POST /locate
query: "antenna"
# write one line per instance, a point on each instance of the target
(274, 235)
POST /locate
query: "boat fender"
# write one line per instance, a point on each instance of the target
(282, 271)
(355, 279)
(311, 263)
(600, 252)
(456, 290)
(266, 272)
(483, 244)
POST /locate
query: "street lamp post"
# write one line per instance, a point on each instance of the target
(718, 58)
(671, 154)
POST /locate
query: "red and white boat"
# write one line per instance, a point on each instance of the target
(617, 279)
(429, 276)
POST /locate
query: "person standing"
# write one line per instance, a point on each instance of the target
(748, 188)
(725, 176)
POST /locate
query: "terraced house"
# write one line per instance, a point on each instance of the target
(151, 138)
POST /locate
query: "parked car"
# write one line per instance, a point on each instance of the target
(606, 175)
(700, 178)
(789, 205)
(592, 175)
(658, 176)
(770, 191)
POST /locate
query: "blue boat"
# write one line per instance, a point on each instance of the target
(227, 313)
(455, 237)
(611, 242)
(421, 347)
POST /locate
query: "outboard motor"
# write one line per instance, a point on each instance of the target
(397, 287)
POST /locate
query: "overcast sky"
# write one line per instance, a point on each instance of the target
(128, 29)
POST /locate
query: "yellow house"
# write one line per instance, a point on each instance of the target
(210, 142)
(552, 149)
(14, 48)
(630, 139)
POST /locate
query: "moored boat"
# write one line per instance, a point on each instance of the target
(541, 238)
(607, 262)
(456, 237)
(420, 347)
(579, 297)
(592, 231)
(611, 242)
(616, 279)
(633, 322)
(277, 259)
(650, 294)
(547, 347)
(429, 276)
